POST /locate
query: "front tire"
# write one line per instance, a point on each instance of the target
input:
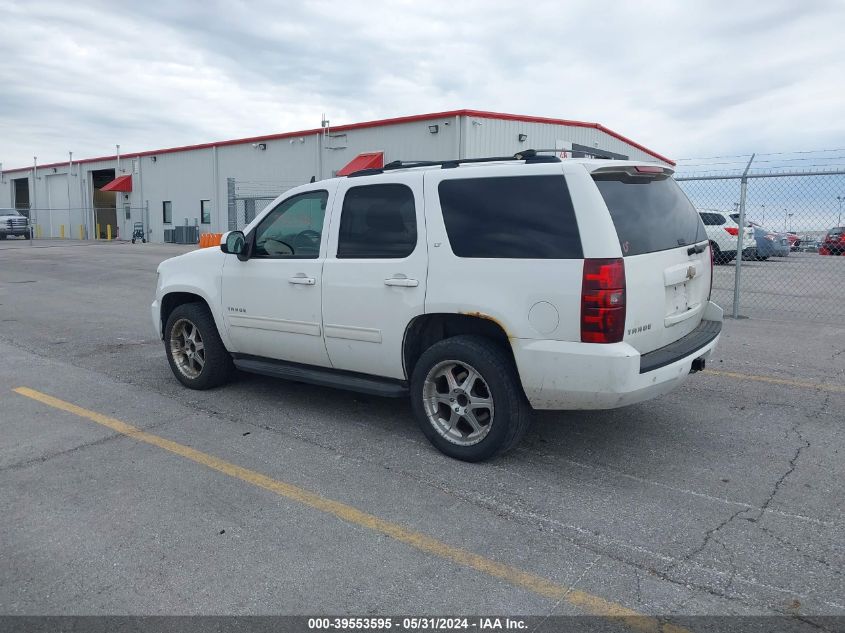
(467, 398)
(196, 354)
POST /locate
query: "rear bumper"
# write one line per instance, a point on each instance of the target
(567, 375)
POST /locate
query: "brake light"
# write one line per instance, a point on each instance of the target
(733, 230)
(648, 169)
(603, 301)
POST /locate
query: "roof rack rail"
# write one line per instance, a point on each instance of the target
(529, 156)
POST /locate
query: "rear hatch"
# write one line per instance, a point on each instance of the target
(665, 250)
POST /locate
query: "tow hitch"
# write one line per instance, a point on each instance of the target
(697, 365)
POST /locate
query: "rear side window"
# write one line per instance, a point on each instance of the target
(520, 217)
(650, 214)
(377, 222)
(713, 219)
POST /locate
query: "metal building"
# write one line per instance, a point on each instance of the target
(198, 185)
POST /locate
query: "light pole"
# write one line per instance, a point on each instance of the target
(839, 219)
(763, 220)
(788, 217)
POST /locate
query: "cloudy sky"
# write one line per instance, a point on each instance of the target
(685, 78)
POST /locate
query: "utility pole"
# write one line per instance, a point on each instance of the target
(763, 220)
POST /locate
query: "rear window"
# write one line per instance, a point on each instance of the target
(517, 217)
(650, 214)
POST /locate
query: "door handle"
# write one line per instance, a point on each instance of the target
(302, 280)
(401, 281)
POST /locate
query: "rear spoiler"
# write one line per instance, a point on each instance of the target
(635, 170)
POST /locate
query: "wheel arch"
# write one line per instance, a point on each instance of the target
(427, 329)
(171, 300)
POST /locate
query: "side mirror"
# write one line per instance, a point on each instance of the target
(234, 243)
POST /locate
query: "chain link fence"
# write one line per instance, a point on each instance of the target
(248, 198)
(786, 266)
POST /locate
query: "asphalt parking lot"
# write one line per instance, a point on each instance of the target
(269, 497)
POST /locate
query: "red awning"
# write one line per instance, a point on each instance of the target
(121, 183)
(367, 160)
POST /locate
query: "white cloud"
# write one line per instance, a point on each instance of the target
(691, 78)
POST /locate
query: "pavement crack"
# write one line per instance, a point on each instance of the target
(805, 443)
(709, 536)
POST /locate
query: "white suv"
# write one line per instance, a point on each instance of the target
(478, 289)
(723, 233)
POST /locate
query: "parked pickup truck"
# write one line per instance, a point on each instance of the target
(13, 223)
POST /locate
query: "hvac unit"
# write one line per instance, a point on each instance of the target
(168, 236)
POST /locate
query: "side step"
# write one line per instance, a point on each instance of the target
(323, 376)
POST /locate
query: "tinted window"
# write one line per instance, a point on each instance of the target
(377, 222)
(650, 214)
(293, 229)
(712, 219)
(520, 217)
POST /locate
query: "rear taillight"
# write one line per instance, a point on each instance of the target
(733, 230)
(603, 301)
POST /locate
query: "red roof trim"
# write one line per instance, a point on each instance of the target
(368, 124)
(121, 183)
(366, 160)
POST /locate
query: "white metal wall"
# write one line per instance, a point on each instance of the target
(493, 137)
(187, 177)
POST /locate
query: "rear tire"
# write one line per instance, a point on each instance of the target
(196, 354)
(486, 408)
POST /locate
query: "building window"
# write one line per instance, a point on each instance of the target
(167, 212)
(205, 211)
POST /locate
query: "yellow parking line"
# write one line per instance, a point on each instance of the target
(536, 584)
(777, 381)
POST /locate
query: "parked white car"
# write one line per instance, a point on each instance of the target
(723, 233)
(479, 289)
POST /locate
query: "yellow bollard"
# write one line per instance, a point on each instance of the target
(62, 231)
(97, 236)
(108, 232)
(81, 232)
(38, 231)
